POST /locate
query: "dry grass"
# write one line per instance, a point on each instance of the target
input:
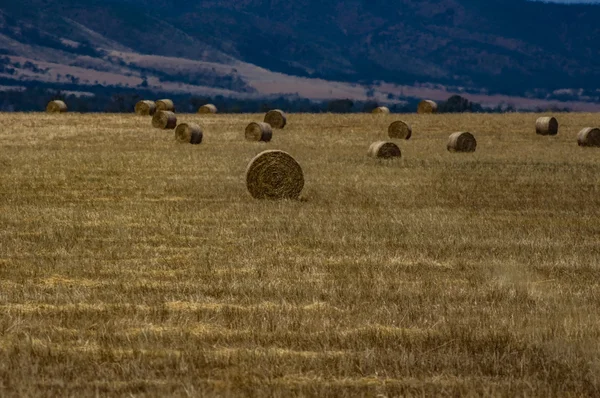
(130, 265)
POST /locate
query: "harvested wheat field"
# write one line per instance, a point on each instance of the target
(134, 266)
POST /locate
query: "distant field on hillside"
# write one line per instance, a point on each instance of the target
(134, 265)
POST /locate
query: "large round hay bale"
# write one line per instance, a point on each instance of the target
(56, 106)
(427, 106)
(462, 142)
(259, 132)
(274, 174)
(145, 108)
(165, 105)
(276, 118)
(589, 136)
(207, 109)
(381, 110)
(165, 120)
(546, 126)
(384, 149)
(400, 129)
(189, 133)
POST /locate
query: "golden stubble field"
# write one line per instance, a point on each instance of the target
(134, 265)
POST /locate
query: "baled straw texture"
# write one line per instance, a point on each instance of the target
(427, 106)
(381, 110)
(165, 105)
(400, 130)
(259, 132)
(276, 118)
(546, 126)
(207, 109)
(462, 142)
(589, 136)
(165, 120)
(56, 106)
(274, 174)
(189, 133)
(145, 108)
(384, 149)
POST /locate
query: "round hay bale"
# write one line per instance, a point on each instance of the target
(165, 120)
(589, 136)
(189, 133)
(56, 106)
(427, 106)
(207, 109)
(462, 142)
(274, 174)
(259, 132)
(546, 126)
(381, 110)
(384, 149)
(276, 118)
(145, 108)
(400, 129)
(165, 105)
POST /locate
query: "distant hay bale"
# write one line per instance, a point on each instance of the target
(546, 126)
(400, 129)
(165, 105)
(381, 110)
(189, 133)
(145, 108)
(462, 142)
(56, 106)
(384, 149)
(276, 118)
(589, 136)
(427, 106)
(165, 120)
(207, 109)
(259, 132)
(274, 174)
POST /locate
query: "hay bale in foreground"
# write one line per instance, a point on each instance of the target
(56, 106)
(546, 126)
(589, 136)
(189, 133)
(165, 120)
(207, 109)
(400, 129)
(145, 108)
(259, 132)
(462, 142)
(427, 106)
(274, 174)
(385, 150)
(381, 110)
(165, 105)
(276, 118)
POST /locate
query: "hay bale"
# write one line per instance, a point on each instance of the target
(462, 142)
(145, 108)
(189, 133)
(427, 106)
(384, 149)
(274, 174)
(589, 136)
(381, 110)
(165, 120)
(546, 126)
(56, 106)
(165, 105)
(259, 132)
(207, 109)
(400, 129)
(276, 118)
